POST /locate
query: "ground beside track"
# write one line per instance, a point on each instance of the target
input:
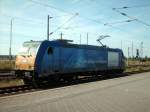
(124, 94)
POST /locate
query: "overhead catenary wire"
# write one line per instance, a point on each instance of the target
(64, 11)
(25, 20)
(130, 17)
(22, 19)
(71, 13)
(135, 6)
(65, 23)
(117, 22)
(47, 5)
(87, 18)
(96, 21)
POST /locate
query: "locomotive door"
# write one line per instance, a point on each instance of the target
(50, 58)
(56, 60)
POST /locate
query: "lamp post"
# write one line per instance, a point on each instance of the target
(10, 43)
(49, 17)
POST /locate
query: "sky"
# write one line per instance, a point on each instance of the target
(73, 18)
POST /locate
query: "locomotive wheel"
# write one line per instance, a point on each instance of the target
(32, 82)
(68, 78)
(55, 78)
(35, 83)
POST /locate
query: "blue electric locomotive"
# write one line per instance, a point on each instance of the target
(62, 59)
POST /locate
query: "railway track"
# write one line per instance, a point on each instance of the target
(7, 75)
(28, 88)
(6, 91)
(15, 90)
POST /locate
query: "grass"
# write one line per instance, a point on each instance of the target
(138, 69)
(10, 82)
(137, 65)
(7, 65)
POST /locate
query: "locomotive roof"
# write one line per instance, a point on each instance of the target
(66, 43)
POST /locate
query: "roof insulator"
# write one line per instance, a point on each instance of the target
(124, 14)
(125, 7)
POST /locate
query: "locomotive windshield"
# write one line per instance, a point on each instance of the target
(29, 48)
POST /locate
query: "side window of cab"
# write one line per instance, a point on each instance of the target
(50, 51)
